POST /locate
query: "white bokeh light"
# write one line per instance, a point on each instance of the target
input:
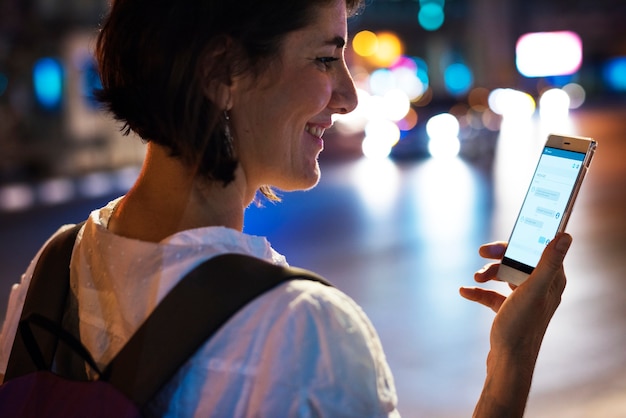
(16, 197)
(554, 104)
(442, 125)
(356, 120)
(543, 54)
(512, 104)
(56, 190)
(395, 104)
(374, 148)
(381, 81)
(443, 132)
(380, 136)
(444, 147)
(576, 95)
(408, 81)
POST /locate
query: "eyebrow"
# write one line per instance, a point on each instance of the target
(337, 41)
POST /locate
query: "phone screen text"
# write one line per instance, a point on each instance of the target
(543, 207)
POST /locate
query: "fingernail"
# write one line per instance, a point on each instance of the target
(564, 243)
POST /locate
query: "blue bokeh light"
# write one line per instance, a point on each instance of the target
(614, 73)
(458, 79)
(90, 83)
(431, 16)
(4, 82)
(48, 82)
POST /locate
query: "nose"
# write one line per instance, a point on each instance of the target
(344, 98)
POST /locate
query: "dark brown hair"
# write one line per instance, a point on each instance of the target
(151, 58)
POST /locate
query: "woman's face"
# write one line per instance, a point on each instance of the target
(278, 119)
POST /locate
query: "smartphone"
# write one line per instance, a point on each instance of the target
(548, 203)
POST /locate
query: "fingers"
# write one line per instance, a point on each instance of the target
(488, 272)
(493, 250)
(547, 278)
(488, 298)
(550, 265)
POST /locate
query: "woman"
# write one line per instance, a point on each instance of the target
(233, 98)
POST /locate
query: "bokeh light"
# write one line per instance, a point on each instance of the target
(377, 181)
(512, 104)
(543, 54)
(442, 125)
(398, 77)
(395, 104)
(458, 79)
(554, 104)
(444, 147)
(16, 197)
(410, 75)
(431, 15)
(56, 190)
(381, 81)
(90, 82)
(355, 121)
(576, 95)
(48, 82)
(96, 184)
(409, 121)
(614, 73)
(422, 70)
(365, 43)
(4, 82)
(380, 137)
(443, 132)
(405, 62)
(389, 50)
(383, 130)
(375, 149)
(478, 96)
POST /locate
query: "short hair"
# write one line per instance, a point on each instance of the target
(150, 54)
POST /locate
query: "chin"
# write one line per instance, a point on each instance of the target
(305, 181)
(312, 184)
(315, 176)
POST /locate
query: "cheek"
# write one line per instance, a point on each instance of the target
(309, 93)
(319, 95)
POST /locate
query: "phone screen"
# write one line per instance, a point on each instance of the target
(543, 207)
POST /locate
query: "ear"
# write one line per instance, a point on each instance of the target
(215, 72)
(220, 94)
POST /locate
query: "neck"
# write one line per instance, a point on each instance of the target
(168, 198)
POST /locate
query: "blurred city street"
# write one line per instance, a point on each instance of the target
(401, 237)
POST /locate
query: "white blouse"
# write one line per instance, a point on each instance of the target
(302, 349)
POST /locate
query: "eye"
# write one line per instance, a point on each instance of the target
(326, 61)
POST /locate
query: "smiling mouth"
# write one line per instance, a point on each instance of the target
(317, 131)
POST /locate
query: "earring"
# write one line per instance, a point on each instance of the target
(228, 136)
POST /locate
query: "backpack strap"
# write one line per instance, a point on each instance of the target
(46, 296)
(188, 315)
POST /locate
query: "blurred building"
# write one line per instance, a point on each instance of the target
(50, 125)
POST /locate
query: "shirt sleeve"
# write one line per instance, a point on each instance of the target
(301, 350)
(337, 367)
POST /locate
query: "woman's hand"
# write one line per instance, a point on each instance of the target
(526, 312)
(519, 326)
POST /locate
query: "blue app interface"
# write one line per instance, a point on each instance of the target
(544, 204)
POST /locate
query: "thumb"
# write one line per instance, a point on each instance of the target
(551, 261)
